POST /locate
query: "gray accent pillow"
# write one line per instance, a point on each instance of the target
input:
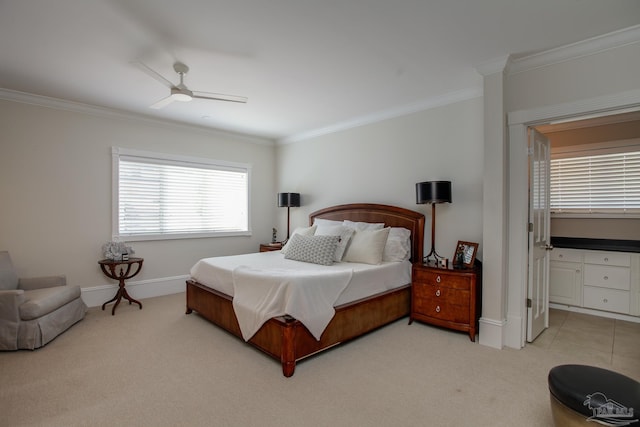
(342, 232)
(315, 249)
(305, 231)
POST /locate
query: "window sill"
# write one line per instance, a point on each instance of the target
(150, 237)
(596, 215)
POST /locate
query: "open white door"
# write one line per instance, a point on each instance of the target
(539, 235)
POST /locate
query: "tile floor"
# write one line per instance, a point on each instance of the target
(611, 342)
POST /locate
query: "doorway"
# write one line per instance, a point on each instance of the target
(518, 257)
(587, 136)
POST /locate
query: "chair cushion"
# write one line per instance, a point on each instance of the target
(39, 302)
(585, 389)
(8, 277)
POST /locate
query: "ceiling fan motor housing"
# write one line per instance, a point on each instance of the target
(181, 94)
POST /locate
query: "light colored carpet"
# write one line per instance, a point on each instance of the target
(160, 367)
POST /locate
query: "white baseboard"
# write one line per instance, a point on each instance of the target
(97, 295)
(607, 314)
(491, 332)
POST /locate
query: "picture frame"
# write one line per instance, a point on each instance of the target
(465, 255)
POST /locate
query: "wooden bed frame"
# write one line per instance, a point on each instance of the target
(285, 338)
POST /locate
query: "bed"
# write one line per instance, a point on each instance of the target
(285, 338)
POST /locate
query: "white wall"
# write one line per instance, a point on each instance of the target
(608, 72)
(382, 162)
(55, 187)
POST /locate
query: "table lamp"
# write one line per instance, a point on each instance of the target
(433, 192)
(288, 200)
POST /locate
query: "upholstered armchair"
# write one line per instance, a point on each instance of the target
(34, 311)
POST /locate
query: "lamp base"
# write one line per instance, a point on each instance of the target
(434, 254)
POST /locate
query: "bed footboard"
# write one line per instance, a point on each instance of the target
(285, 338)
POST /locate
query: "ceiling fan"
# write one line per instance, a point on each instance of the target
(181, 92)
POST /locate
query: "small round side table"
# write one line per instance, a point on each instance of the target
(121, 271)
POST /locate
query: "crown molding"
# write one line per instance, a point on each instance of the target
(493, 66)
(579, 49)
(624, 101)
(78, 107)
(438, 101)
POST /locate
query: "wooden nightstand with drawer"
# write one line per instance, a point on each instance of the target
(446, 297)
(270, 247)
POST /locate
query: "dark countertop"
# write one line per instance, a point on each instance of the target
(596, 244)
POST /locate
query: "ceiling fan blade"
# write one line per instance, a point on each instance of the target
(220, 97)
(162, 103)
(152, 73)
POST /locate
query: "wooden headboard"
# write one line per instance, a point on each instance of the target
(391, 216)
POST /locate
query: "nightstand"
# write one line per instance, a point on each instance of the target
(268, 247)
(448, 297)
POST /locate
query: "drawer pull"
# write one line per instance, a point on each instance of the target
(437, 309)
(606, 277)
(438, 279)
(605, 300)
(438, 293)
(606, 260)
(560, 256)
(578, 271)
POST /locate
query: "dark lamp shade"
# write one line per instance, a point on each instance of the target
(291, 200)
(433, 192)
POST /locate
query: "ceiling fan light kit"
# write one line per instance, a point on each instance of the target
(181, 95)
(181, 92)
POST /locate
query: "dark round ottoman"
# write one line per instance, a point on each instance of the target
(581, 395)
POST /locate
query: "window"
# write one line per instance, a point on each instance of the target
(157, 196)
(596, 184)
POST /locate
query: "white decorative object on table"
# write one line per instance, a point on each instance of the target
(115, 250)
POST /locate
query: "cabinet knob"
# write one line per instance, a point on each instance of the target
(578, 271)
(438, 279)
(438, 293)
(560, 256)
(605, 300)
(437, 309)
(606, 260)
(606, 277)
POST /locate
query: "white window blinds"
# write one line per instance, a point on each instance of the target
(607, 183)
(160, 197)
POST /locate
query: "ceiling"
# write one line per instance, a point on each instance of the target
(304, 65)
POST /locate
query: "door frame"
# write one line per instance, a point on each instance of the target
(518, 189)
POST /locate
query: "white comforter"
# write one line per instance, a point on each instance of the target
(264, 285)
(260, 294)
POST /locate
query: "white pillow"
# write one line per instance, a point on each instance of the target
(398, 247)
(325, 222)
(336, 230)
(363, 225)
(304, 231)
(367, 246)
(315, 249)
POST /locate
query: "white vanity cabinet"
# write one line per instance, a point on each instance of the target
(607, 281)
(565, 276)
(600, 280)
